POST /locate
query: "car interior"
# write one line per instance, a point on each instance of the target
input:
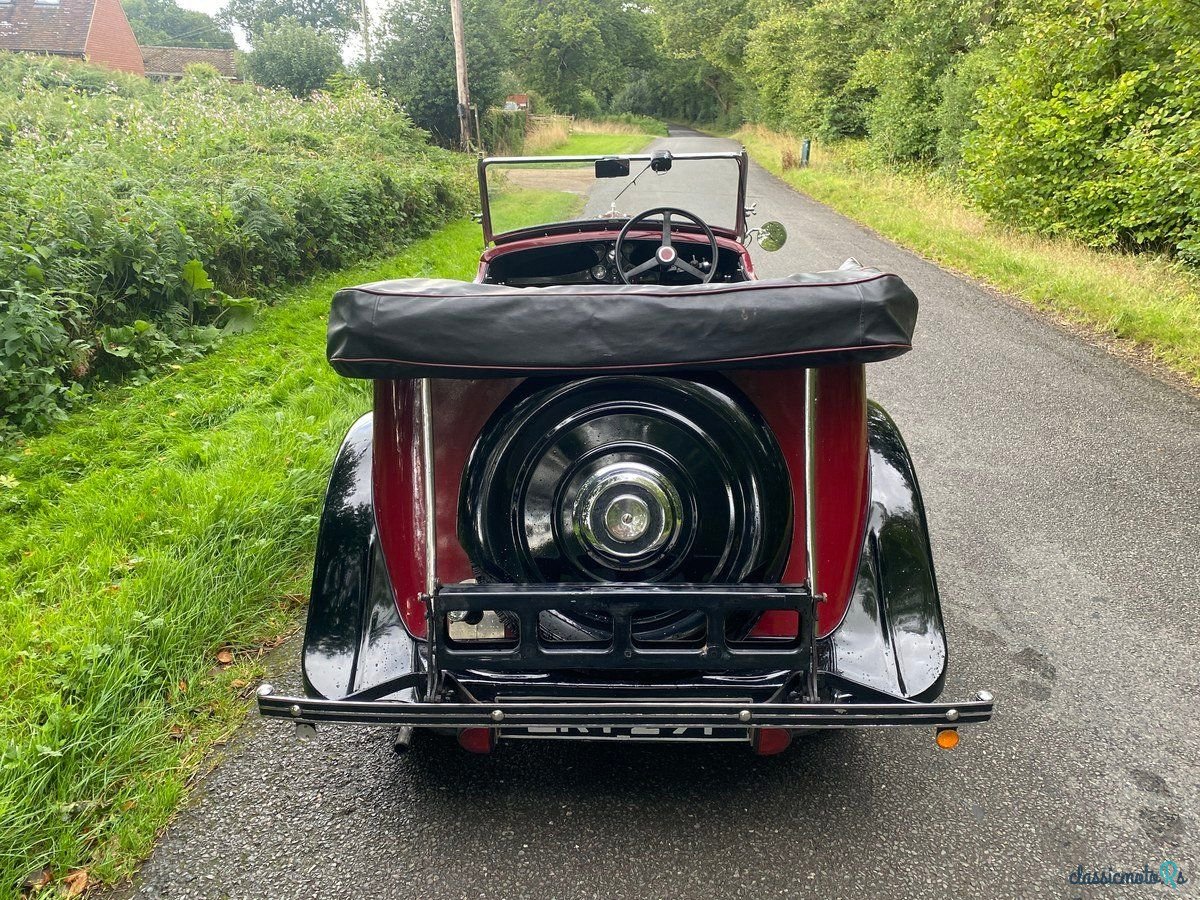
(594, 262)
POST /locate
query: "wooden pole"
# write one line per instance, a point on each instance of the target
(460, 72)
(366, 32)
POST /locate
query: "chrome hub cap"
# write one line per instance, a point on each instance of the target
(627, 518)
(625, 512)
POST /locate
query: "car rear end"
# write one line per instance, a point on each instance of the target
(717, 549)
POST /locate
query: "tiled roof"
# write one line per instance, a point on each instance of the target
(173, 60)
(44, 27)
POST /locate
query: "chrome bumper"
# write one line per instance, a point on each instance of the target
(623, 714)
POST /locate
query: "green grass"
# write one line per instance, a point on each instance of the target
(1149, 301)
(158, 527)
(593, 144)
(523, 207)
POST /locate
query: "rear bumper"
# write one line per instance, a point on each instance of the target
(644, 714)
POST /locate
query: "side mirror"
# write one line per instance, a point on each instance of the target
(772, 236)
(612, 167)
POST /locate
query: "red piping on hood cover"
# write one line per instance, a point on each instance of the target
(520, 370)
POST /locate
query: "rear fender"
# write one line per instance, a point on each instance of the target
(892, 639)
(354, 638)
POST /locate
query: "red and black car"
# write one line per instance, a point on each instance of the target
(618, 487)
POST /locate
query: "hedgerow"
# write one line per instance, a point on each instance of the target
(1092, 128)
(140, 221)
(1077, 118)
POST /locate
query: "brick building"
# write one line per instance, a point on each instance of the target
(167, 63)
(92, 30)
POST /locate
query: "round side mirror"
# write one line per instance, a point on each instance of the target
(772, 236)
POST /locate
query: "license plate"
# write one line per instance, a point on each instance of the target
(623, 733)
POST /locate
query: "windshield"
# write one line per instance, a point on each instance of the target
(529, 191)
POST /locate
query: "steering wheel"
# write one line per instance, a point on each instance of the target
(666, 257)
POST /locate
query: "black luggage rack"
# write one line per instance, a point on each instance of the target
(530, 652)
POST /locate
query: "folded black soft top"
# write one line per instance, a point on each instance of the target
(452, 329)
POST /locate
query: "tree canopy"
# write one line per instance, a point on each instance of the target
(336, 17)
(414, 60)
(578, 53)
(162, 23)
(1073, 116)
(294, 56)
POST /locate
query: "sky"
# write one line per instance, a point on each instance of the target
(353, 48)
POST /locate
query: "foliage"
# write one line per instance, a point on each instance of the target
(1144, 299)
(298, 58)
(136, 218)
(335, 17)
(414, 60)
(959, 101)
(1071, 117)
(578, 53)
(679, 90)
(1093, 126)
(163, 23)
(503, 131)
(801, 60)
(135, 550)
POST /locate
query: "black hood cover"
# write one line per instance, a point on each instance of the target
(419, 327)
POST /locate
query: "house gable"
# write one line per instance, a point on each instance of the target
(95, 30)
(110, 40)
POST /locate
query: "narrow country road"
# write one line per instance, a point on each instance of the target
(1065, 511)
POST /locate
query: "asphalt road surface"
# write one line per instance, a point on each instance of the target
(1064, 503)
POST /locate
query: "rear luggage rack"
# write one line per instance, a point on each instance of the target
(528, 650)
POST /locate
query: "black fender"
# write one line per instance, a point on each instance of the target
(354, 638)
(891, 640)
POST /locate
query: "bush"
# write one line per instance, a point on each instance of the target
(504, 131)
(900, 123)
(958, 102)
(295, 57)
(135, 218)
(1093, 127)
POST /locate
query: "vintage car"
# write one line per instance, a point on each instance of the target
(618, 487)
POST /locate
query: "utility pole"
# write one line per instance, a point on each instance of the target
(460, 72)
(366, 32)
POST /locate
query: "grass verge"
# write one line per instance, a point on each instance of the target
(151, 547)
(587, 138)
(521, 207)
(1151, 302)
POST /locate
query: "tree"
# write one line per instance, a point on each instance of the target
(293, 56)
(1092, 125)
(414, 60)
(161, 23)
(566, 49)
(680, 90)
(335, 17)
(801, 59)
